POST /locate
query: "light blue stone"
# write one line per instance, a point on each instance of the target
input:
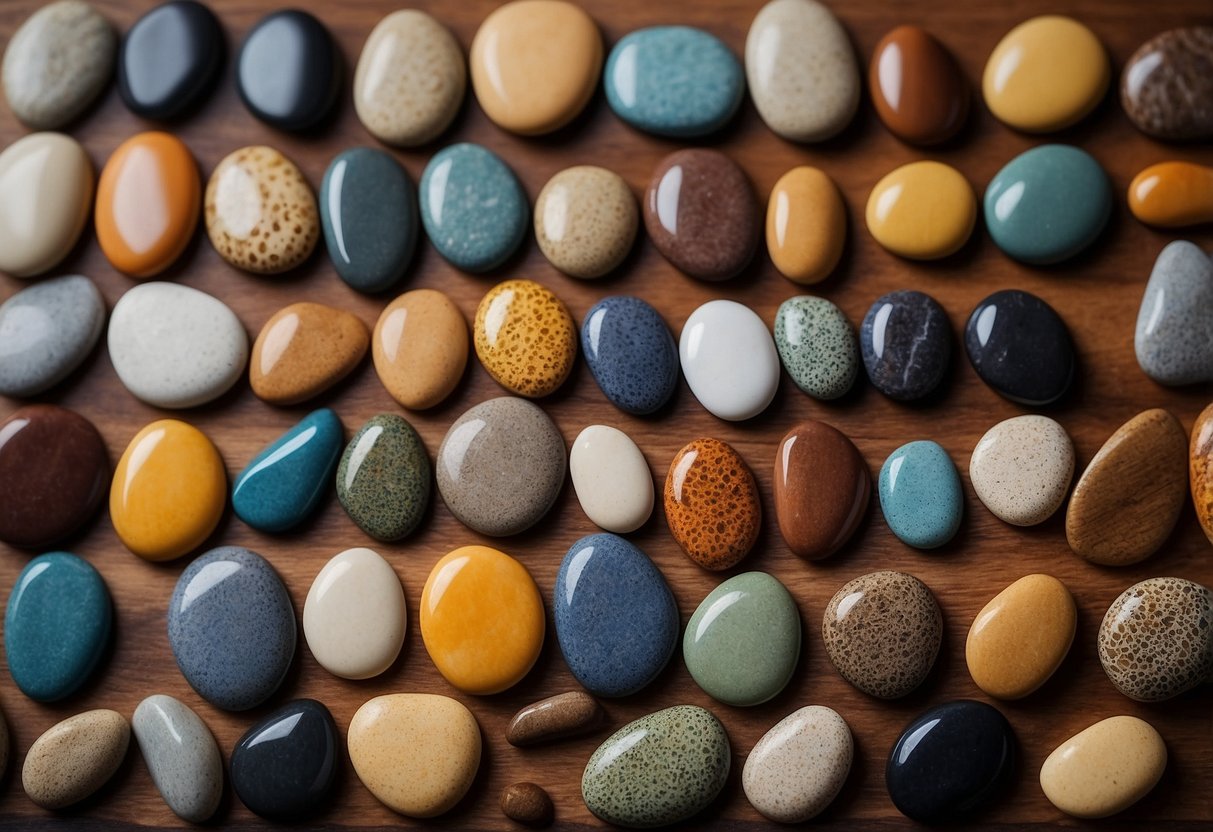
(473, 207)
(921, 494)
(283, 484)
(674, 81)
(56, 626)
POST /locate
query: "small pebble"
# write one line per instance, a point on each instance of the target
(1166, 89)
(558, 717)
(420, 348)
(285, 766)
(1020, 347)
(1172, 339)
(822, 487)
(527, 803)
(922, 211)
(1200, 469)
(799, 766)
(919, 91)
(181, 756)
(586, 220)
(75, 758)
(170, 59)
(384, 478)
(921, 495)
(611, 479)
(47, 330)
(288, 71)
(630, 353)
(303, 350)
(729, 360)
(1173, 195)
(1021, 469)
(806, 225)
(711, 504)
(817, 346)
(525, 338)
(1105, 768)
(906, 344)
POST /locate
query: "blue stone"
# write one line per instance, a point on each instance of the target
(631, 353)
(56, 626)
(473, 207)
(284, 483)
(616, 619)
(231, 627)
(921, 495)
(369, 214)
(674, 81)
(1048, 204)
(285, 766)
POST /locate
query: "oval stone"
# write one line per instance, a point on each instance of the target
(1021, 469)
(481, 585)
(384, 478)
(168, 492)
(882, 632)
(701, 213)
(743, 640)
(921, 496)
(46, 195)
(75, 758)
(802, 71)
(1021, 637)
(1105, 768)
(1173, 195)
(418, 753)
(410, 79)
(501, 466)
(906, 343)
(630, 353)
(676, 81)
(922, 211)
(284, 768)
(354, 616)
(420, 348)
(1047, 204)
(616, 619)
(181, 756)
(658, 770)
(1200, 469)
(1170, 339)
(611, 478)
(170, 59)
(951, 761)
(47, 330)
(232, 628)
(527, 803)
(368, 211)
(586, 220)
(558, 717)
(806, 225)
(303, 350)
(1129, 497)
(525, 338)
(1167, 86)
(1020, 347)
(822, 487)
(283, 485)
(918, 89)
(56, 626)
(711, 504)
(175, 347)
(729, 360)
(148, 201)
(288, 72)
(54, 470)
(472, 206)
(817, 346)
(798, 767)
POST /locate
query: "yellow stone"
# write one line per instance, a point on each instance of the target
(1104, 769)
(1021, 637)
(169, 491)
(1172, 194)
(416, 752)
(482, 619)
(806, 225)
(1045, 74)
(923, 210)
(525, 338)
(420, 348)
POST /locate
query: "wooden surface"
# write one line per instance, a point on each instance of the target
(1097, 294)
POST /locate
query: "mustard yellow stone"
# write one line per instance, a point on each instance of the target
(482, 619)
(1104, 769)
(1172, 194)
(923, 210)
(169, 491)
(525, 338)
(806, 225)
(1045, 74)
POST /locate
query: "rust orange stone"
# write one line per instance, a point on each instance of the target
(1200, 469)
(1172, 194)
(711, 504)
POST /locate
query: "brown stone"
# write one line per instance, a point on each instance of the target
(555, 718)
(527, 803)
(918, 89)
(420, 348)
(303, 350)
(1167, 86)
(711, 504)
(1200, 469)
(822, 488)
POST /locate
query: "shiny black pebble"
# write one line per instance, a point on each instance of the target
(289, 70)
(170, 60)
(285, 766)
(906, 344)
(1020, 347)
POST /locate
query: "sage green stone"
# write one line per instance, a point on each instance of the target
(817, 346)
(384, 479)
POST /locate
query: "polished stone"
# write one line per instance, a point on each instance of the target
(1166, 89)
(1173, 195)
(922, 211)
(711, 504)
(1021, 469)
(1020, 347)
(181, 756)
(1105, 768)
(1173, 340)
(558, 717)
(817, 346)
(1200, 469)
(917, 87)
(921, 495)
(170, 59)
(288, 72)
(74, 758)
(586, 221)
(906, 344)
(525, 338)
(806, 226)
(285, 766)
(630, 353)
(527, 803)
(384, 479)
(822, 488)
(303, 350)
(611, 479)
(729, 360)
(420, 348)
(800, 765)
(46, 331)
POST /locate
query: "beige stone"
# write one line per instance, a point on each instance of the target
(46, 196)
(586, 220)
(75, 758)
(1021, 469)
(1105, 768)
(799, 766)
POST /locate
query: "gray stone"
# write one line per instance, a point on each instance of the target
(181, 756)
(46, 331)
(1174, 337)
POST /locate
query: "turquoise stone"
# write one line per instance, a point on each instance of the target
(817, 346)
(384, 479)
(674, 81)
(284, 483)
(56, 626)
(473, 207)
(742, 643)
(921, 494)
(1048, 204)
(368, 211)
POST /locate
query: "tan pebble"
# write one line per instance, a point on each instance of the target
(1021, 469)
(555, 718)
(75, 758)
(420, 348)
(799, 766)
(260, 211)
(1200, 469)
(1105, 768)
(806, 225)
(303, 350)
(525, 338)
(527, 803)
(586, 220)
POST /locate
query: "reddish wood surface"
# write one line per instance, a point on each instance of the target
(1098, 295)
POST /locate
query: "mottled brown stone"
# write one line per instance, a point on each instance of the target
(1167, 86)
(822, 488)
(1200, 469)
(527, 803)
(711, 504)
(917, 87)
(555, 718)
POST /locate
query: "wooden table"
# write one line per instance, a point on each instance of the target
(1097, 294)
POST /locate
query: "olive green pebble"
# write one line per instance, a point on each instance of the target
(384, 478)
(817, 346)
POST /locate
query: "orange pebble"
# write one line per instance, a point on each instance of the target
(1172, 194)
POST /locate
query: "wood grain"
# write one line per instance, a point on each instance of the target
(1097, 294)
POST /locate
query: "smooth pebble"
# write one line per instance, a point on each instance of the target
(384, 479)
(420, 348)
(74, 758)
(630, 353)
(800, 765)
(1021, 348)
(906, 344)
(729, 360)
(918, 89)
(285, 766)
(1021, 469)
(1166, 88)
(1200, 469)
(1104, 768)
(806, 225)
(47, 330)
(170, 59)
(303, 350)
(922, 211)
(1172, 195)
(611, 479)
(181, 756)
(817, 346)
(288, 70)
(711, 504)
(1173, 339)
(558, 717)
(527, 803)
(822, 488)
(921, 495)
(525, 338)
(586, 221)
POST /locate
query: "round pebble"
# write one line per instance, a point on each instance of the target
(181, 756)
(630, 353)
(1020, 347)
(288, 72)
(1021, 469)
(711, 504)
(384, 478)
(525, 338)
(420, 348)
(921, 495)
(558, 717)
(906, 344)
(611, 479)
(1173, 195)
(47, 330)
(919, 90)
(1166, 88)
(822, 487)
(586, 220)
(806, 226)
(75, 758)
(527, 803)
(285, 766)
(817, 346)
(922, 211)
(170, 59)
(303, 350)
(800, 765)
(729, 360)
(1105, 768)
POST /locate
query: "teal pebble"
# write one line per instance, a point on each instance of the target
(383, 480)
(56, 626)
(817, 346)
(921, 494)
(284, 483)
(743, 642)
(1048, 204)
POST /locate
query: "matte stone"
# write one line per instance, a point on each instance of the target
(555, 718)
(1174, 336)
(1167, 86)
(1021, 469)
(181, 756)
(921, 495)
(170, 59)
(384, 478)
(906, 343)
(1020, 347)
(631, 353)
(822, 487)
(1105, 768)
(46, 332)
(918, 89)
(284, 767)
(288, 71)
(817, 346)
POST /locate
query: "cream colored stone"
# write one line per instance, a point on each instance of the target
(1021, 469)
(46, 195)
(611, 478)
(586, 220)
(75, 758)
(1105, 768)
(799, 766)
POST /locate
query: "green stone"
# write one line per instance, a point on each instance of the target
(383, 480)
(817, 346)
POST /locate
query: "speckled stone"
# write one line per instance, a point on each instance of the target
(882, 632)
(798, 767)
(817, 346)
(1020, 347)
(906, 343)
(631, 353)
(181, 756)
(1167, 86)
(1156, 640)
(822, 488)
(921, 495)
(527, 803)
(1105, 768)
(558, 717)
(232, 628)
(586, 220)
(46, 332)
(657, 770)
(1200, 469)
(384, 478)
(285, 766)
(501, 465)
(75, 758)
(420, 348)
(304, 349)
(170, 59)
(1174, 335)
(1021, 469)
(711, 504)
(288, 71)
(525, 338)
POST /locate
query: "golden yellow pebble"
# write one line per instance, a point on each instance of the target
(1104, 769)
(1172, 194)
(923, 210)
(806, 225)
(525, 338)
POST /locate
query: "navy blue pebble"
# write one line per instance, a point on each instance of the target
(284, 767)
(631, 353)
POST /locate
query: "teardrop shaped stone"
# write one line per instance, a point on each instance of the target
(919, 90)
(181, 755)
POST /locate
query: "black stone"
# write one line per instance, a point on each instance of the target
(1020, 347)
(906, 344)
(951, 761)
(170, 60)
(284, 767)
(289, 70)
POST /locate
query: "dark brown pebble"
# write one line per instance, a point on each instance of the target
(822, 488)
(917, 87)
(1167, 86)
(555, 718)
(527, 803)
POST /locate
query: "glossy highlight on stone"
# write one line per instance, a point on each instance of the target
(611, 479)
(817, 346)
(288, 72)
(1021, 469)
(922, 211)
(630, 353)
(711, 504)
(181, 756)
(558, 717)
(47, 330)
(918, 89)
(1200, 469)
(420, 348)
(525, 338)
(729, 360)
(170, 59)
(1173, 195)
(586, 221)
(799, 766)
(527, 803)
(906, 344)
(822, 487)
(806, 226)
(303, 350)
(285, 766)
(384, 478)
(1166, 89)
(1104, 768)
(1020, 347)
(74, 758)
(1171, 339)
(921, 495)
